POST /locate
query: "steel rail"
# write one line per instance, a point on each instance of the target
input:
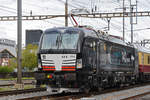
(15, 92)
(12, 84)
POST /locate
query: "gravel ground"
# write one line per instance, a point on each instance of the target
(146, 97)
(22, 96)
(118, 95)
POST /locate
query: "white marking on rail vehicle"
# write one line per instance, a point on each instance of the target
(60, 90)
(46, 61)
(48, 64)
(59, 60)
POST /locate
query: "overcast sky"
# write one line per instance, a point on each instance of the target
(50, 7)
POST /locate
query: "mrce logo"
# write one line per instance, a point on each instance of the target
(64, 56)
(43, 56)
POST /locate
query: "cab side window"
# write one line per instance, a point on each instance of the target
(116, 55)
(89, 52)
(121, 56)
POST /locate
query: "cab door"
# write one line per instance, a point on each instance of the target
(100, 55)
(89, 54)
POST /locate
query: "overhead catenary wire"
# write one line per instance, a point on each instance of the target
(57, 21)
(41, 7)
(10, 9)
(80, 5)
(13, 12)
(68, 3)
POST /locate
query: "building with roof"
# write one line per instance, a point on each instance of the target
(33, 37)
(7, 51)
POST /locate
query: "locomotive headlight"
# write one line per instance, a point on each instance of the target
(79, 63)
(39, 65)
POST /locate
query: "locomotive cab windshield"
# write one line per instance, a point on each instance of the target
(60, 40)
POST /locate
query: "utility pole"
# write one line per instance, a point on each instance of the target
(108, 20)
(132, 15)
(123, 21)
(19, 41)
(131, 21)
(66, 13)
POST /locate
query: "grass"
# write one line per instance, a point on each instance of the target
(29, 86)
(5, 89)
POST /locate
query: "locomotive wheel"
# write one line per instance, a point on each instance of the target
(87, 90)
(99, 89)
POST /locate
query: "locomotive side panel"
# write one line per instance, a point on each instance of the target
(119, 58)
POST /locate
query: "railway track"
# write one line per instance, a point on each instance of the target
(77, 96)
(64, 96)
(7, 83)
(42, 94)
(4, 85)
(137, 97)
(16, 92)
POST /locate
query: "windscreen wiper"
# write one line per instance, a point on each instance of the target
(61, 42)
(57, 41)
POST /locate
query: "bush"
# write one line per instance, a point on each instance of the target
(13, 63)
(6, 69)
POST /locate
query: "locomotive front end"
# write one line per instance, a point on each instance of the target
(59, 58)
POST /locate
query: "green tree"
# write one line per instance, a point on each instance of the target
(29, 57)
(13, 62)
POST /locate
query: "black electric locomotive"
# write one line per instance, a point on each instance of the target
(79, 59)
